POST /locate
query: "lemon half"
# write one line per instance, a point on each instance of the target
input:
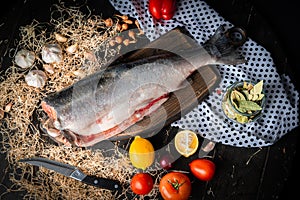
(186, 142)
(141, 153)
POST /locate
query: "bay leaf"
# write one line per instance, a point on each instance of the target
(249, 105)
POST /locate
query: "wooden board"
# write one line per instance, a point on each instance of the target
(202, 81)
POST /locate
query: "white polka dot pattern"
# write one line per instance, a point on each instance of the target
(281, 112)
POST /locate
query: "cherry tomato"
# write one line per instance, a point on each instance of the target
(175, 186)
(141, 183)
(162, 9)
(166, 161)
(203, 169)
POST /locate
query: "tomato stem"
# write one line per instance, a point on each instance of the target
(176, 184)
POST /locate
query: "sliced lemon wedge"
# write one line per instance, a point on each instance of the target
(186, 142)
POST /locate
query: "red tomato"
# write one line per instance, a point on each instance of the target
(162, 9)
(203, 169)
(175, 186)
(141, 183)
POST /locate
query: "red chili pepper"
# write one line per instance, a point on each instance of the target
(162, 9)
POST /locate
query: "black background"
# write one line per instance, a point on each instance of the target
(274, 24)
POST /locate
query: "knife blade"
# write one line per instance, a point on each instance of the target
(73, 172)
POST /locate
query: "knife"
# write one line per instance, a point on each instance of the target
(73, 172)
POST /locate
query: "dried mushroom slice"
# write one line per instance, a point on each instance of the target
(235, 98)
(260, 97)
(253, 97)
(236, 95)
(241, 119)
(247, 86)
(257, 88)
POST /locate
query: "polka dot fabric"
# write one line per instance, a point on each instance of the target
(281, 112)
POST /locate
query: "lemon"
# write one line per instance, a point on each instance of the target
(186, 142)
(141, 153)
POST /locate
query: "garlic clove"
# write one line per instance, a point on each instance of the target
(128, 21)
(119, 39)
(60, 38)
(89, 55)
(131, 34)
(79, 73)
(126, 42)
(72, 49)
(52, 53)
(48, 68)
(36, 78)
(124, 27)
(112, 42)
(8, 107)
(108, 22)
(25, 58)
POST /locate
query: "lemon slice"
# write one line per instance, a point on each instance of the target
(141, 153)
(186, 142)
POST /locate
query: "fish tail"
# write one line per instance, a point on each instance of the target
(223, 44)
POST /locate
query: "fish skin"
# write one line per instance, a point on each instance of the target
(109, 101)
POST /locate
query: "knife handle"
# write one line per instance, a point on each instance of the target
(102, 182)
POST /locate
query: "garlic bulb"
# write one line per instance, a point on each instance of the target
(52, 53)
(36, 78)
(25, 58)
